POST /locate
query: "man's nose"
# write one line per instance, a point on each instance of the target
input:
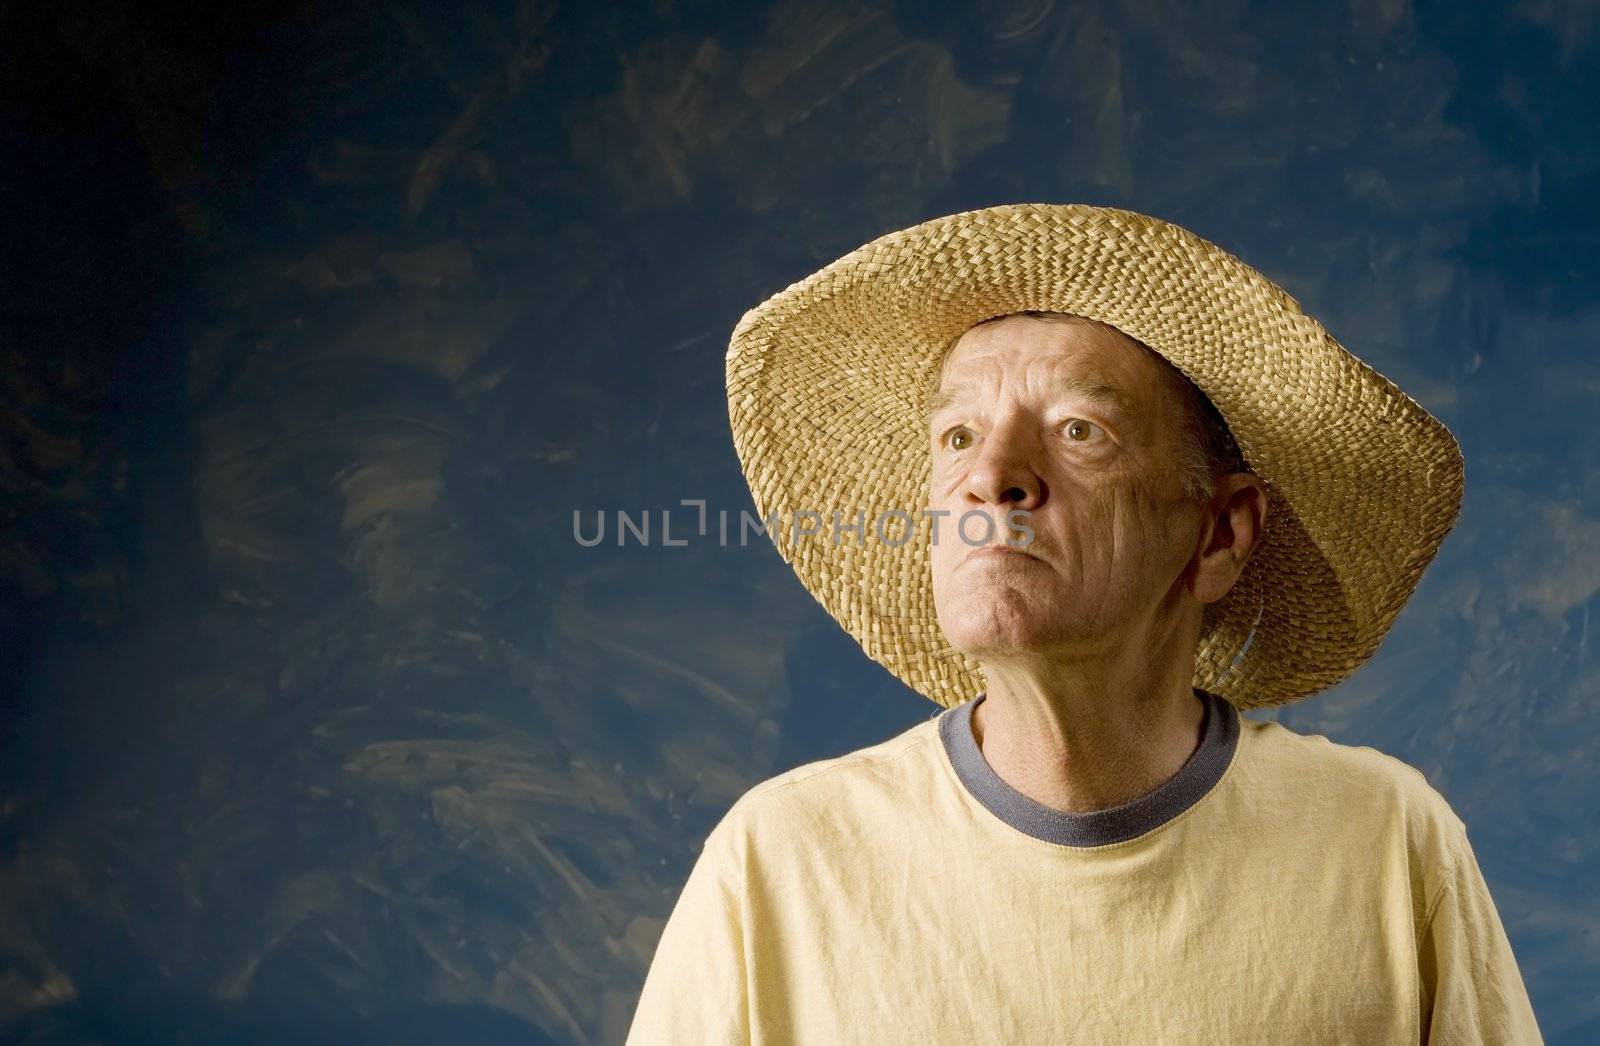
(1004, 473)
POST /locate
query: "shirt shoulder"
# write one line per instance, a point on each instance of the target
(1361, 789)
(1348, 769)
(832, 800)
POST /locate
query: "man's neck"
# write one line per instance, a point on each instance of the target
(1075, 745)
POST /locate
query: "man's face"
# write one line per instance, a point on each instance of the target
(1078, 425)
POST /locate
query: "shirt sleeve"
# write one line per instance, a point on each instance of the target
(1472, 991)
(694, 992)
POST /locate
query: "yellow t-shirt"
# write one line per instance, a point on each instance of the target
(1280, 888)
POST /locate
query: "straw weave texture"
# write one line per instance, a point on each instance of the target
(826, 381)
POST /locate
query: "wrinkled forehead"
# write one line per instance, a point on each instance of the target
(1098, 350)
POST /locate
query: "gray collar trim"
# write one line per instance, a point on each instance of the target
(1219, 737)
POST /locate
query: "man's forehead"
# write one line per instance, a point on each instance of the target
(1089, 386)
(1081, 356)
(1056, 335)
(1084, 358)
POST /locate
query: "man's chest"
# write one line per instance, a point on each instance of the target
(1297, 946)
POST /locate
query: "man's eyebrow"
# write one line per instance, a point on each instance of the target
(1096, 391)
(1099, 392)
(943, 398)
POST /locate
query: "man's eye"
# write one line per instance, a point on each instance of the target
(959, 438)
(1079, 430)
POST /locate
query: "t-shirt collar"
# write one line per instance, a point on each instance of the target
(1219, 736)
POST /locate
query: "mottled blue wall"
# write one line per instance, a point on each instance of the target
(318, 722)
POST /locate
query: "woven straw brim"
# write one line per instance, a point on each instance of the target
(826, 388)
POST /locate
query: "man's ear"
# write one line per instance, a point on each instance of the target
(1235, 517)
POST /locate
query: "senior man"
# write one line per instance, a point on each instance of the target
(1223, 509)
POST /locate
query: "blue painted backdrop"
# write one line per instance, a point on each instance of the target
(324, 320)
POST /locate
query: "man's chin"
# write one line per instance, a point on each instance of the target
(1001, 634)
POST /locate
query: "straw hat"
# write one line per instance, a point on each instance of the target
(826, 388)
